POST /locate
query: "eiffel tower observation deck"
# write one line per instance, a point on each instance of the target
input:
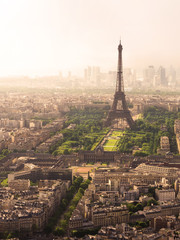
(119, 115)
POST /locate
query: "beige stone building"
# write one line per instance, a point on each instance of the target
(19, 184)
(165, 194)
(105, 216)
(157, 169)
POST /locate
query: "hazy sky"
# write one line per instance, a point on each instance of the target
(42, 37)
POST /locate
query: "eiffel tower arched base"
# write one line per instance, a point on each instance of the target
(119, 124)
(115, 118)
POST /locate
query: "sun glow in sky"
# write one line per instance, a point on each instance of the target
(43, 37)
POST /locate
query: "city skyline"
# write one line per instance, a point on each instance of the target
(45, 37)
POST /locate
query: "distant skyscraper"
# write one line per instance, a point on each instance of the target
(171, 77)
(129, 77)
(162, 76)
(92, 75)
(149, 75)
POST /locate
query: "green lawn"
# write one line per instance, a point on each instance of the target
(109, 148)
(112, 141)
(100, 137)
(116, 133)
(110, 145)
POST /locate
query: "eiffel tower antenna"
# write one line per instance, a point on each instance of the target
(119, 109)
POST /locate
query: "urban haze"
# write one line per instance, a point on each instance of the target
(89, 119)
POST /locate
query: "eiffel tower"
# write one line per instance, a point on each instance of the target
(119, 111)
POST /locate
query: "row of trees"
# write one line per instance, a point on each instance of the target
(70, 207)
(69, 195)
(66, 207)
(140, 224)
(135, 207)
(148, 132)
(89, 129)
